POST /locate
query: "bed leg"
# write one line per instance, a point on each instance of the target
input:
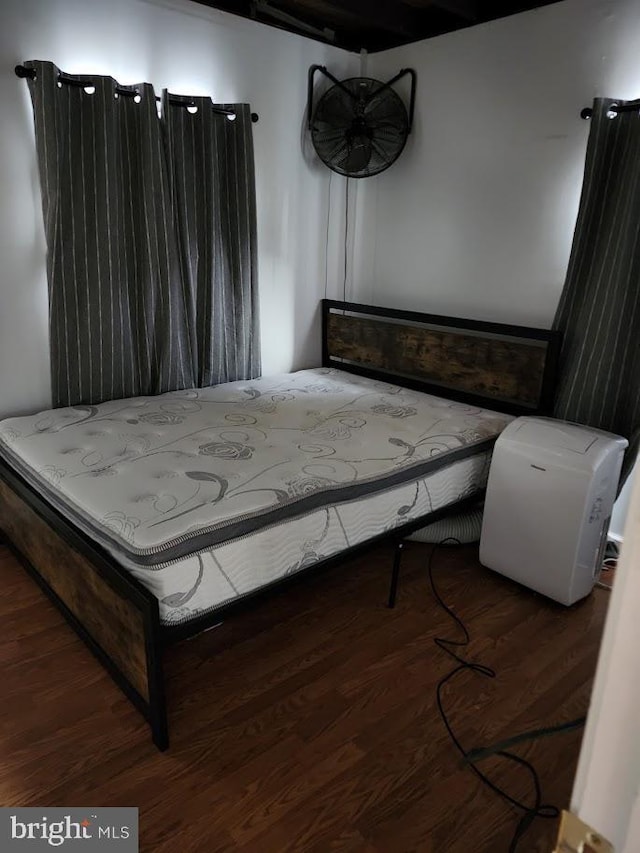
(159, 728)
(395, 574)
(157, 707)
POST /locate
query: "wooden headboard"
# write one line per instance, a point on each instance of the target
(508, 368)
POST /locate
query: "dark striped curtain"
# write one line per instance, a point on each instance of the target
(122, 315)
(599, 310)
(212, 178)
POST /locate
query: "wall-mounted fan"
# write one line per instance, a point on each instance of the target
(359, 126)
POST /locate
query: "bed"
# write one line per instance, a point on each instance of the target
(149, 520)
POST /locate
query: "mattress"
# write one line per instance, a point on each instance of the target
(210, 579)
(208, 494)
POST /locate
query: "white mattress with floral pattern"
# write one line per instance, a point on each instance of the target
(208, 494)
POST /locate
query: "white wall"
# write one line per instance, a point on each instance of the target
(476, 217)
(621, 507)
(606, 791)
(188, 49)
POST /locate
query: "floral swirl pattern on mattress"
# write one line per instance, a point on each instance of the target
(162, 477)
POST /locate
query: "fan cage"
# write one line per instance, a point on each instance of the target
(359, 127)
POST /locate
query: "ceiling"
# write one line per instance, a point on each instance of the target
(373, 25)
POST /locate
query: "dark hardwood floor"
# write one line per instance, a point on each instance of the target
(309, 724)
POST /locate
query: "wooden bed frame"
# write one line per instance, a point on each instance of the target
(508, 368)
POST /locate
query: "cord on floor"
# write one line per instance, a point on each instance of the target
(470, 757)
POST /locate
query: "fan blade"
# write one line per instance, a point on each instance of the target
(337, 110)
(385, 153)
(337, 153)
(388, 104)
(326, 137)
(387, 128)
(359, 156)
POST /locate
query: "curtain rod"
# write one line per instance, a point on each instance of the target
(630, 107)
(22, 71)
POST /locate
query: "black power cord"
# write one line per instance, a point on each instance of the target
(326, 247)
(346, 239)
(484, 752)
(470, 757)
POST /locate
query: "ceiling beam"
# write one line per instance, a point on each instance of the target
(387, 15)
(466, 9)
(262, 7)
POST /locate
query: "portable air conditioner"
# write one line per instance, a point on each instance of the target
(550, 494)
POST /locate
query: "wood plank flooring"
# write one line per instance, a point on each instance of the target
(309, 725)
